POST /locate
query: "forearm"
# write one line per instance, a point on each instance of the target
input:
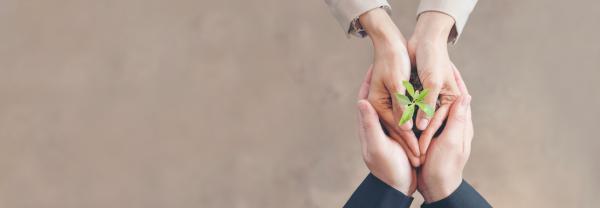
(458, 10)
(433, 28)
(382, 31)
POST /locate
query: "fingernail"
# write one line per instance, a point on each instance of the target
(423, 124)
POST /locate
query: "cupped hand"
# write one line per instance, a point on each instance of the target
(429, 52)
(441, 173)
(391, 65)
(384, 156)
(388, 73)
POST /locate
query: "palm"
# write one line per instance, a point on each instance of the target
(384, 156)
(428, 168)
(398, 158)
(388, 161)
(387, 76)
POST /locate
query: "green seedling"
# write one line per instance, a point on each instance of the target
(409, 104)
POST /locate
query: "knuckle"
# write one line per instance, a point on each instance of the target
(380, 101)
(394, 87)
(447, 99)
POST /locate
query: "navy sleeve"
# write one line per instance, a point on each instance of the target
(374, 193)
(464, 196)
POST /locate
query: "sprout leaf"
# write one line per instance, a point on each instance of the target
(421, 95)
(409, 88)
(402, 99)
(426, 108)
(407, 114)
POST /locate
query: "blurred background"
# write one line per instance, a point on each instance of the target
(195, 103)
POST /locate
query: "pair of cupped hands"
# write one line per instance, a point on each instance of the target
(391, 151)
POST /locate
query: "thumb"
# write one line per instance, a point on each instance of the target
(371, 131)
(457, 118)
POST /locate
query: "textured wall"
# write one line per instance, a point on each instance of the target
(194, 103)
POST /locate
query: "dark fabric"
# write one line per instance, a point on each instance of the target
(464, 196)
(374, 193)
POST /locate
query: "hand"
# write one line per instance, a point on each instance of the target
(428, 50)
(391, 65)
(441, 173)
(384, 156)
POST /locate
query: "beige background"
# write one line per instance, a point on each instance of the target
(191, 103)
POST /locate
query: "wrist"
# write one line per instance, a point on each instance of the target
(440, 191)
(382, 31)
(432, 27)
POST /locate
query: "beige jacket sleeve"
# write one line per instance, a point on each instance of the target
(347, 12)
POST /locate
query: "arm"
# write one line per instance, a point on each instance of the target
(440, 179)
(392, 180)
(428, 48)
(346, 12)
(458, 10)
(391, 64)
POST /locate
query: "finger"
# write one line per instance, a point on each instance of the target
(469, 126)
(414, 159)
(457, 120)
(468, 132)
(381, 102)
(435, 123)
(404, 130)
(383, 107)
(469, 122)
(407, 137)
(393, 84)
(450, 90)
(371, 133)
(411, 141)
(462, 87)
(363, 92)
